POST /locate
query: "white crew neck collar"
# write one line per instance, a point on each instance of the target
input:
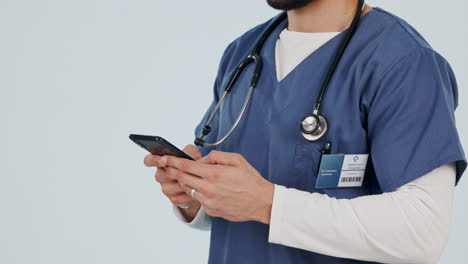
(309, 35)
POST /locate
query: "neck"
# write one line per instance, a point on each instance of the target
(323, 16)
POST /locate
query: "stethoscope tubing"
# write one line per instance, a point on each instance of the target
(239, 117)
(254, 57)
(339, 53)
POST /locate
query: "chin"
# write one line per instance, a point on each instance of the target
(287, 5)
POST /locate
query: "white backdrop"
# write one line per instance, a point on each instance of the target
(76, 77)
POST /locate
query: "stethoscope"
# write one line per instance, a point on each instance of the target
(313, 126)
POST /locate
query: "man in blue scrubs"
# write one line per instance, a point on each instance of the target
(392, 100)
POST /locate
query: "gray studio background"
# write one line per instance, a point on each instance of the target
(76, 77)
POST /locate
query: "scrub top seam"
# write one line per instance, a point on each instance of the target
(400, 59)
(402, 26)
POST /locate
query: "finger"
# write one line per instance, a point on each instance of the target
(162, 176)
(171, 189)
(223, 158)
(171, 173)
(153, 161)
(192, 151)
(191, 181)
(192, 167)
(186, 188)
(174, 174)
(182, 198)
(199, 195)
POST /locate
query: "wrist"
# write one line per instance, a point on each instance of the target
(190, 212)
(266, 200)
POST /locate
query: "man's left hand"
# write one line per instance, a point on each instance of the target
(226, 185)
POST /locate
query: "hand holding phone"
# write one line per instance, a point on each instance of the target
(171, 188)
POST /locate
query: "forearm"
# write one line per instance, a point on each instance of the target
(409, 225)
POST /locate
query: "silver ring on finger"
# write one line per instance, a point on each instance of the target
(192, 193)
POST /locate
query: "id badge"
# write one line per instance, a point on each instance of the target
(340, 170)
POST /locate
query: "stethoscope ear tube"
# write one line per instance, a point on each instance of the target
(339, 53)
(200, 141)
(252, 58)
(258, 68)
(235, 75)
(259, 44)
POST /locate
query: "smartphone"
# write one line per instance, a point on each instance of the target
(158, 146)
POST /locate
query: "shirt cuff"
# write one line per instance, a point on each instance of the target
(277, 214)
(202, 221)
(285, 212)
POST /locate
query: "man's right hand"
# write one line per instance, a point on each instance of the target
(169, 185)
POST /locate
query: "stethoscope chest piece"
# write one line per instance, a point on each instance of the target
(313, 127)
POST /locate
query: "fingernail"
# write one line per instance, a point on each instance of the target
(163, 160)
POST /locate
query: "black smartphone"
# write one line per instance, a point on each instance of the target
(158, 146)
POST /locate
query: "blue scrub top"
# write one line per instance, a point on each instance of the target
(392, 96)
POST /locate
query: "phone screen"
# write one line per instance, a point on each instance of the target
(156, 148)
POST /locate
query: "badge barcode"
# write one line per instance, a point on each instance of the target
(351, 179)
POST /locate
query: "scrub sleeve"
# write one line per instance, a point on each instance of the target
(411, 122)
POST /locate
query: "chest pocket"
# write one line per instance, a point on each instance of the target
(305, 165)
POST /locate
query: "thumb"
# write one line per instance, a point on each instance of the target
(192, 151)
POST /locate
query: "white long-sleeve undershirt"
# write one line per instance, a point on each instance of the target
(408, 225)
